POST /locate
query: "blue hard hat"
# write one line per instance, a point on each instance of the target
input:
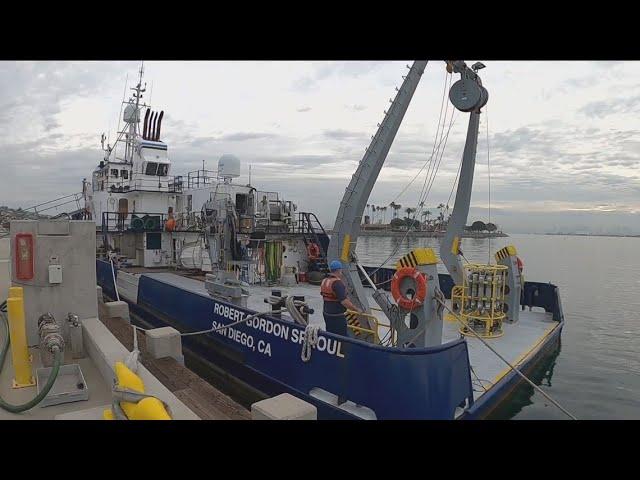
(335, 265)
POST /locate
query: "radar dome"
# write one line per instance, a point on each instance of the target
(131, 114)
(228, 166)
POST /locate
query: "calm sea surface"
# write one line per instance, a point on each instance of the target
(595, 373)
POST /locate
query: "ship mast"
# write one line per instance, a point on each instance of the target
(138, 90)
(132, 119)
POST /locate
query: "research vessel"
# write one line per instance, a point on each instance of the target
(240, 267)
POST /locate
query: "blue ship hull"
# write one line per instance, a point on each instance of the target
(264, 353)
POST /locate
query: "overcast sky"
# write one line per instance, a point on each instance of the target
(564, 137)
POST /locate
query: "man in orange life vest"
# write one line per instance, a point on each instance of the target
(334, 293)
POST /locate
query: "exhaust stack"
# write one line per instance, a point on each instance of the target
(157, 135)
(146, 122)
(152, 128)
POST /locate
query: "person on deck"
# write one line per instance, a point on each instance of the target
(336, 303)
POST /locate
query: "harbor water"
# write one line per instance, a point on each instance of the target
(595, 373)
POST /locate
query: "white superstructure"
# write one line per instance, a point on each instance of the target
(151, 218)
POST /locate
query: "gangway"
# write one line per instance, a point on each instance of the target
(56, 203)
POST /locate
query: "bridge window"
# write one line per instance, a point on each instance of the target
(114, 172)
(163, 169)
(151, 169)
(124, 174)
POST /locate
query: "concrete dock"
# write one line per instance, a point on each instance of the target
(202, 398)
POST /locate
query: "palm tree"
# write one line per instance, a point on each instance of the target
(441, 215)
(373, 210)
(410, 222)
(393, 207)
(427, 213)
(384, 215)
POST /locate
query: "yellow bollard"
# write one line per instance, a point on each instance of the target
(16, 292)
(18, 337)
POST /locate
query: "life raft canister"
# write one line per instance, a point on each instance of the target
(313, 251)
(326, 289)
(420, 289)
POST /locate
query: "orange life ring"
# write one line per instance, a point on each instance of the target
(170, 225)
(421, 288)
(313, 251)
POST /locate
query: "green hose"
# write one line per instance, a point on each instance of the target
(52, 378)
(273, 257)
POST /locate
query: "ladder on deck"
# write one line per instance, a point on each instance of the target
(313, 232)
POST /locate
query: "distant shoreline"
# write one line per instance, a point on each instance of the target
(422, 234)
(620, 235)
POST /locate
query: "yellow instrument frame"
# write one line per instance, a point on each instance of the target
(492, 317)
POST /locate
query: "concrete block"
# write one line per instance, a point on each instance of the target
(283, 407)
(99, 293)
(95, 413)
(105, 350)
(118, 309)
(164, 342)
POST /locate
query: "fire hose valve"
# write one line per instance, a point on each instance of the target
(51, 340)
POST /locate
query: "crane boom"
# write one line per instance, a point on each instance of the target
(467, 95)
(450, 245)
(347, 225)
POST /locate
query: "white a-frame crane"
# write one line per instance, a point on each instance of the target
(425, 324)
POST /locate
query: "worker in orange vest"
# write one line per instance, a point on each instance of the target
(336, 303)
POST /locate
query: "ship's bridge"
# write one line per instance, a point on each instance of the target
(153, 158)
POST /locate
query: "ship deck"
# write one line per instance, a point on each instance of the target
(518, 345)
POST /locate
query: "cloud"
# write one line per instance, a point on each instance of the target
(546, 161)
(604, 108)
(244, 136)
(340, 134)
(325, 70)
(32, 94)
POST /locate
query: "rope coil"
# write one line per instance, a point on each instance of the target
(310, 341)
